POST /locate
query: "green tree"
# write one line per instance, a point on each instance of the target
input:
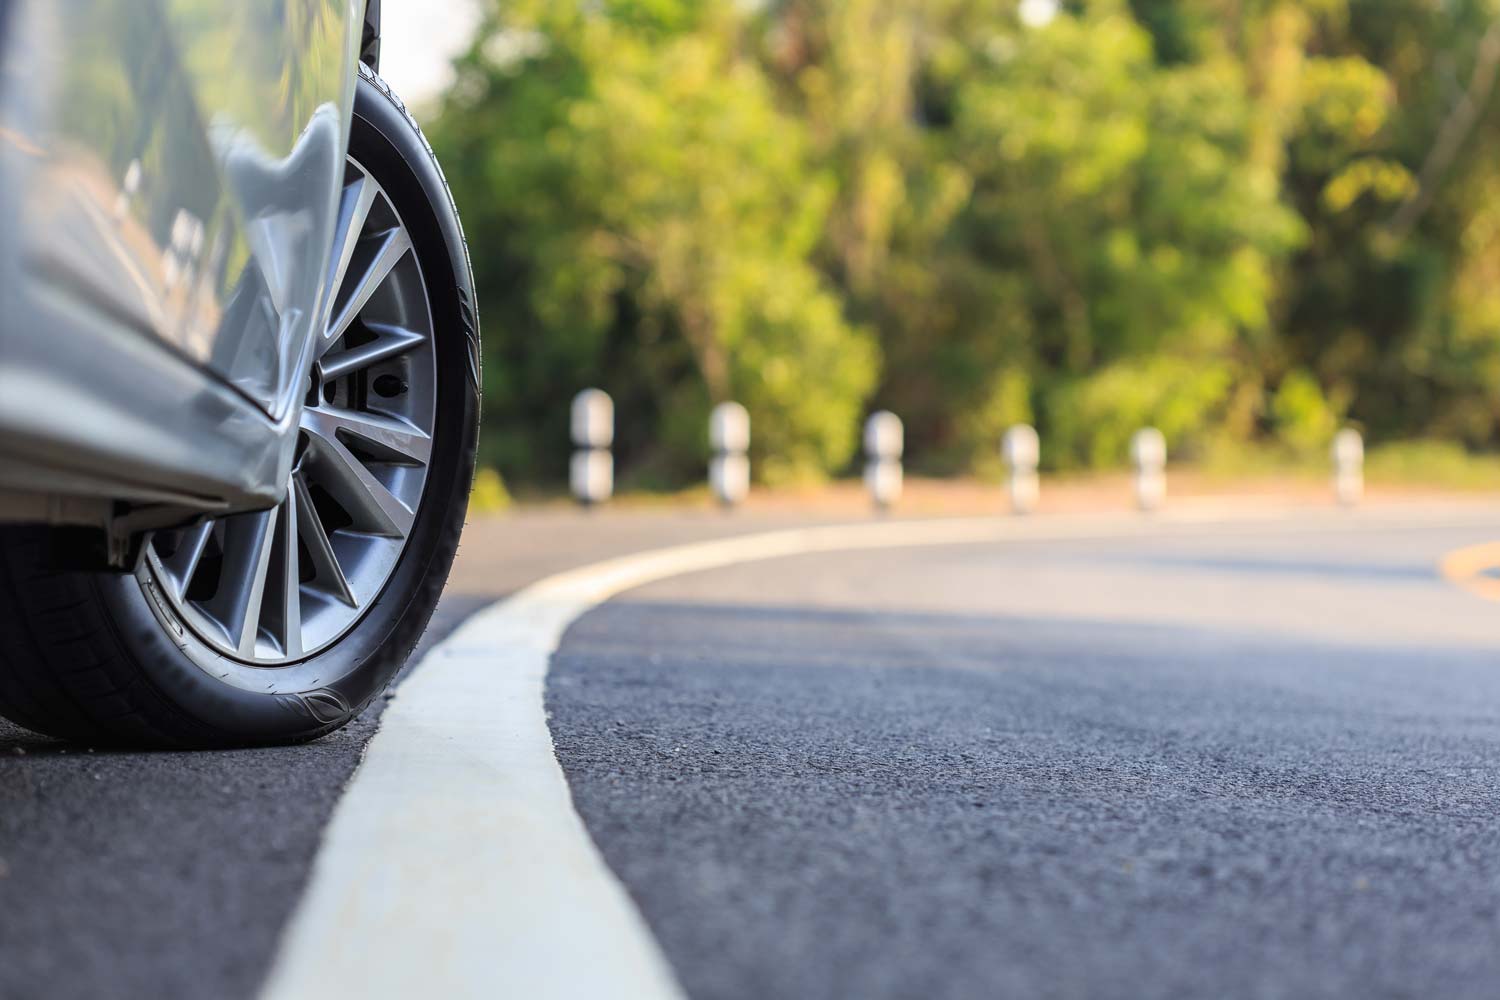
(1241, 220)
(649, 216)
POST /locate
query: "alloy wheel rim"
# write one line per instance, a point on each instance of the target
(280, 585)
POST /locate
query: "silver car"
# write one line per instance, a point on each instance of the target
(239, 370)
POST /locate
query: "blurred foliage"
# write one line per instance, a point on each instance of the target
(1240, 220)
(488, 494)
(1305, 420)
(1443, 465)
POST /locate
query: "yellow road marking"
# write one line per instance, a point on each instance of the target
(1465, 567)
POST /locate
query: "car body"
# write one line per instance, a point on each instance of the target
(170, 174)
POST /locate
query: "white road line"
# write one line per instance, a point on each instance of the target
(455, 864)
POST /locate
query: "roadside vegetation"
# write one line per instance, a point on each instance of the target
(1245, 223)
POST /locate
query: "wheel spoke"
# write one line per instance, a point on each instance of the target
(393, 246)
(286, 610)
(389, 342)
(354, 208)
(184, 562)
(390, 439)
(242, 580)
(375, 509)
(328, 575)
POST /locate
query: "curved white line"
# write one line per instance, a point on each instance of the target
(456, 866)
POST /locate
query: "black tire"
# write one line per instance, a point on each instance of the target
(93, 657)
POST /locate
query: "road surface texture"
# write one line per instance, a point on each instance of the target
(1248, 760)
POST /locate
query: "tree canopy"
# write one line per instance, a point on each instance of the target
(1245, 221)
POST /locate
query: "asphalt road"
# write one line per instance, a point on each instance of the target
(1247, 761)
(171, 875)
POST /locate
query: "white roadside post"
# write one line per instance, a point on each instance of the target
(1148, 450)
(729, 468)
(1022, 449)
(591, 474)
(884, 442)
(1348, 466)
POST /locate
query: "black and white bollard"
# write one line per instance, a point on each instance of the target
(883, 446)
(591, 474)
(1348, 466)
(729, 468)
(1148, 450)
(1022, 450)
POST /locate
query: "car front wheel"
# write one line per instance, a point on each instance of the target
(282, 625)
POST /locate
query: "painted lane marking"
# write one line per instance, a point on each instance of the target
(455, 864)
(1468, 568)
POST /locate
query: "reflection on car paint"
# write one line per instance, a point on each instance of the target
(140, 144)
(139, 119)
